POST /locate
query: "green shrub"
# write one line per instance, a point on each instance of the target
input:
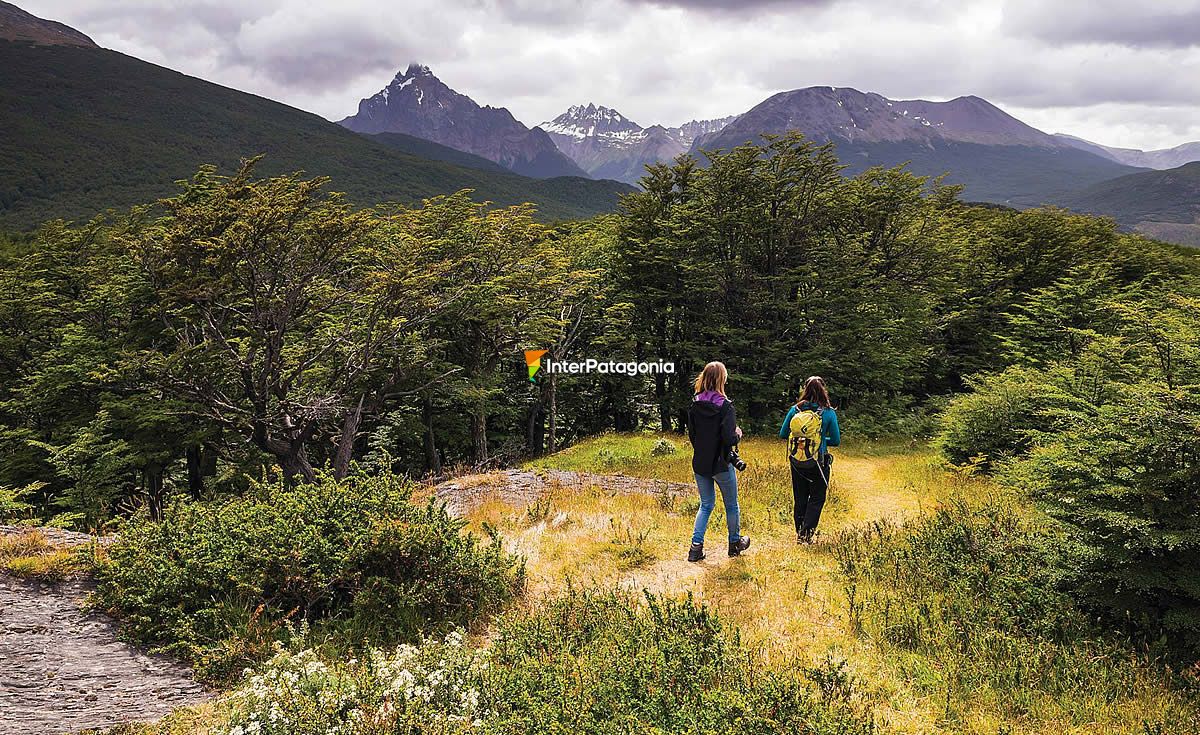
(221, 581)
(12, 501)
(600, 663)
(985, 570)
(1000, 417)
(1126, 482)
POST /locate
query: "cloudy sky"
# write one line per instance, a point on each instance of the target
(1116, 72)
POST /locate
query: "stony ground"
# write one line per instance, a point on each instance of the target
(63, 670)
(521, 487)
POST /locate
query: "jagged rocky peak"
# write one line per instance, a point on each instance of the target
(582, 121)
(417, 103)
(693, 129)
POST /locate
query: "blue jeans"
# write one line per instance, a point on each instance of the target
(707, 486)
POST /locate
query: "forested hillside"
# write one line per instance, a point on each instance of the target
(86, 129)
(1158, 203)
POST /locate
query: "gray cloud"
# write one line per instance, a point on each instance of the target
(733, 6)
(668, 61)
(1170, 24)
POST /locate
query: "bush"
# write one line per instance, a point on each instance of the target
(1000, 417)
(221, 581)
(605, 663)
(12, 501)
(1126, 480)
(586, 662)
(986, 571)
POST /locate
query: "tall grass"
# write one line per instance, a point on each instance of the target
(966, 601)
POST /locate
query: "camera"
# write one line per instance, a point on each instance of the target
(738, 463)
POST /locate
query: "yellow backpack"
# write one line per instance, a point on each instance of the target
(804, 440)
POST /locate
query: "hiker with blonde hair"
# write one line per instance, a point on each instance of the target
(811, 427)
(713, 431)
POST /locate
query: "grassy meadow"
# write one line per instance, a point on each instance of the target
(797, 606)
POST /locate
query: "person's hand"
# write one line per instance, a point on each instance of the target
(738, 430)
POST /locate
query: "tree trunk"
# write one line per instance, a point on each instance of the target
(295, 465)
(535, 428)
(153, 477)
(433, 462)
(664, 405)
(345, 449)
(479, 434)
(195, 472)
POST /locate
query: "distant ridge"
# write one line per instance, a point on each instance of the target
(994, 156)
(18, 25)
(422, 148)
(1162, 158)
(1164, 204)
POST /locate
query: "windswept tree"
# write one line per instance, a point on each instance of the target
(287, 314)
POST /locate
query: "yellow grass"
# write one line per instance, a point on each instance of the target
(30, 556)
(787, 599)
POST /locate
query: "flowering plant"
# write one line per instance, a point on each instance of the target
(432, 688)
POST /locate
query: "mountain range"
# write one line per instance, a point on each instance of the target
(1159, 159)
(86, 129)
(993, 155)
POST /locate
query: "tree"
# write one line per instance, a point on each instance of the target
(286, 311)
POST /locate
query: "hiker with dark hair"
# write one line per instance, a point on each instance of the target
(811, 427)
(713, 431)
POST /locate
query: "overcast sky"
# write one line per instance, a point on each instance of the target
(1116, 72)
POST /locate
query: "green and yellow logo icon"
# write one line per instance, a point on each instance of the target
(533, 360)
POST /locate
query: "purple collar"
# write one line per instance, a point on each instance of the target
(711, 396)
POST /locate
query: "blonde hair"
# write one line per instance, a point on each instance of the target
(712, 377)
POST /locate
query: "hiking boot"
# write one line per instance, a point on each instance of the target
(806, 536)
(696, 553)
(737, 547)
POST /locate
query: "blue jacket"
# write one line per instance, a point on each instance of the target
(831, 434)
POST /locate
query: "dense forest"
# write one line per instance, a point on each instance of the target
(254, 328)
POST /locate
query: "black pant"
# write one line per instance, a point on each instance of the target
(809, 484)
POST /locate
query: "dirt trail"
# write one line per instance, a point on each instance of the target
(63, 670)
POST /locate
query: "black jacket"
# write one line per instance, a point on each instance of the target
(712, 431)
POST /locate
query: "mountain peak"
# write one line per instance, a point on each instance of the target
(418, 104)
(847, 114)
(417, 70)
(590, 120)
